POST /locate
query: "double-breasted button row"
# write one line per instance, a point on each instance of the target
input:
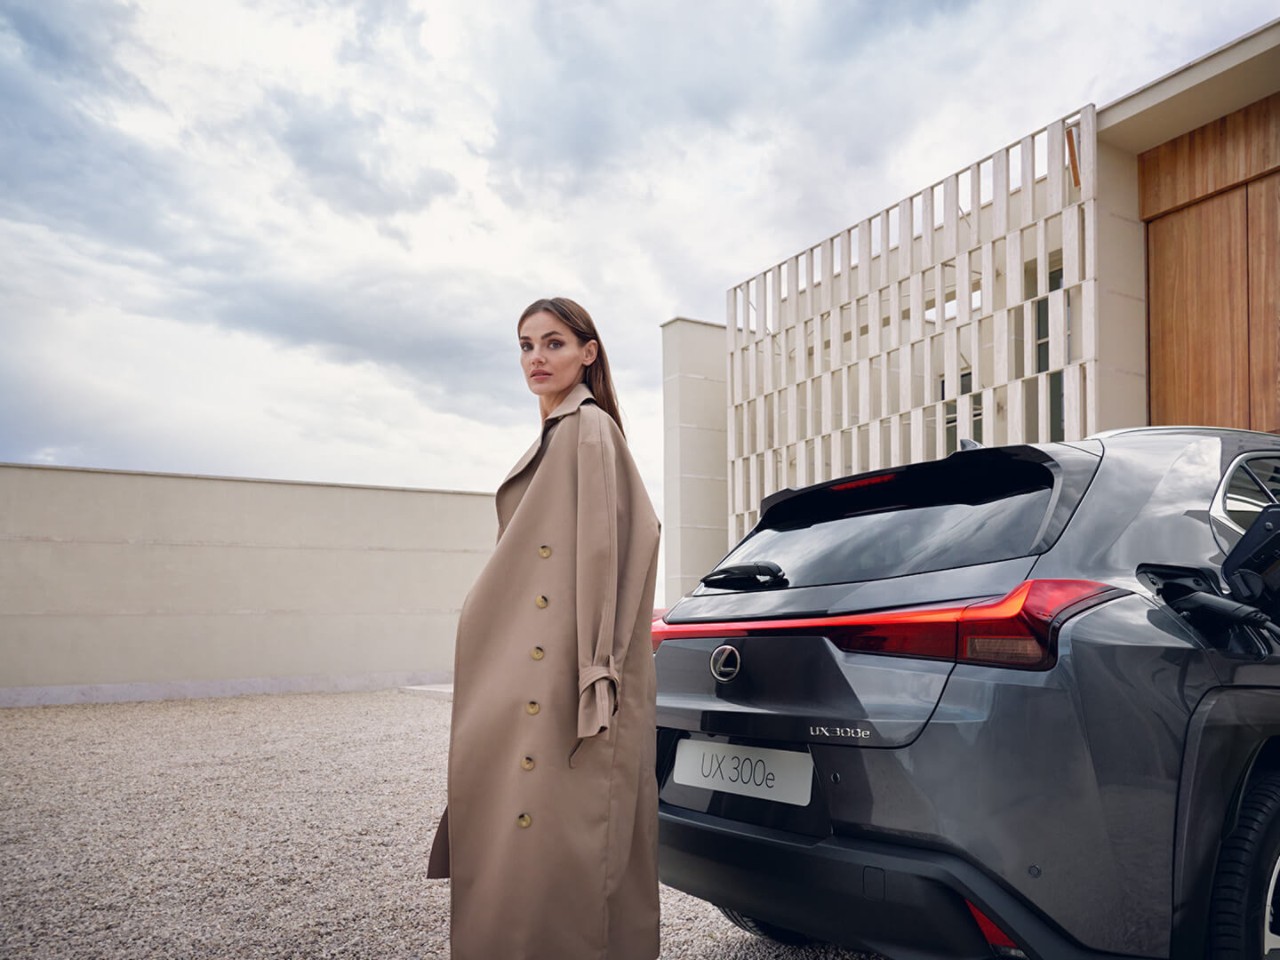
(533, 707)
(541, 600)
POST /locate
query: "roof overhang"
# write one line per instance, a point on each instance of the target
(1219, 83)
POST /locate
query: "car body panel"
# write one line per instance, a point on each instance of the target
(1228, 729)
(794, 688)
(1111, 810)
(1149, 503)
(887, 897)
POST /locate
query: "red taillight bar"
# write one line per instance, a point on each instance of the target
(1014, 631)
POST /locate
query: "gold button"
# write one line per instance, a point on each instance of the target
(526, 763)
(532, 707)
(537, 653)
(524, 820)
(544, 552)
(541, 602)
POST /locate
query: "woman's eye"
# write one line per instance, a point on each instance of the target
(526, 347)
(555, 344)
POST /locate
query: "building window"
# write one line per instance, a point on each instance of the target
(1042, 335)
(950, 412)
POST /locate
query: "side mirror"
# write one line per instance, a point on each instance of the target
(1252, 568)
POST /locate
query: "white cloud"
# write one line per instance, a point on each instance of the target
(291, 239)
(132, 390)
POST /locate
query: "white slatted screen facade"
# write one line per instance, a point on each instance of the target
(968, 310)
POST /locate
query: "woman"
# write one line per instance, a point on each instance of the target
(550, 836)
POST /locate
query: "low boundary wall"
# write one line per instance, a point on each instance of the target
(137, 586)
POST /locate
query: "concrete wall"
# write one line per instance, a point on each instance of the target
(695, 456)
(130, 586)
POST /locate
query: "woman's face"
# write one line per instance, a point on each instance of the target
(552, 358)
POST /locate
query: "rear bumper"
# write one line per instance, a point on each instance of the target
(902, 901)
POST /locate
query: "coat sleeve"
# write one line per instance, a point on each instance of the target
(609, 518)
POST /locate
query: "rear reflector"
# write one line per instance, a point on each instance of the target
(996, 938)
(1015, 631)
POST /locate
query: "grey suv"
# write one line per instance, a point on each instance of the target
(1023, 701)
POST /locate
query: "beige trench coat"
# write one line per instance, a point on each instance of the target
(550, 837)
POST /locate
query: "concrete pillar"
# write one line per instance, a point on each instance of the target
(695, 526)
(1120, 337)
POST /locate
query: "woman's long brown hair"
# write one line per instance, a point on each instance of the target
(596, 376)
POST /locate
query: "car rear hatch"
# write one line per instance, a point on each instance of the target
(839, 618)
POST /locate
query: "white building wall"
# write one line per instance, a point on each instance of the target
(1121, 382)
(695, 531)
(130, 586)
(969, 310)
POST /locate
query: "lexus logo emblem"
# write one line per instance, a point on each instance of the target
(726, 661)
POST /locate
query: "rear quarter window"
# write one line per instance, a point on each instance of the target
(1251, 485)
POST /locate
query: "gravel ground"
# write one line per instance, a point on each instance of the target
(249, 827)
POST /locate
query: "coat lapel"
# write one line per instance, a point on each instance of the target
(570, 404)
(523, 463)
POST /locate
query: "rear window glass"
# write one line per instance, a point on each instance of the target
(978, 508)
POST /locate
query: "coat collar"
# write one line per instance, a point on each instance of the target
(569, 405)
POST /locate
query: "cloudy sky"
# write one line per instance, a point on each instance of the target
(290, 238)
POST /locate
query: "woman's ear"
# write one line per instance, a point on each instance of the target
(589, 352)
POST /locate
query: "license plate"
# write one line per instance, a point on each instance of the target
(785, 776)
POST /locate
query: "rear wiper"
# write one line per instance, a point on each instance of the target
(761, 575)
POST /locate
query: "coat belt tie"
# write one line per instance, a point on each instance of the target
(597, 698)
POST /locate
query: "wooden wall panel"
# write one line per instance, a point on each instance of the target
(1222, 154)
(1198, 305)
(1264, 302)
